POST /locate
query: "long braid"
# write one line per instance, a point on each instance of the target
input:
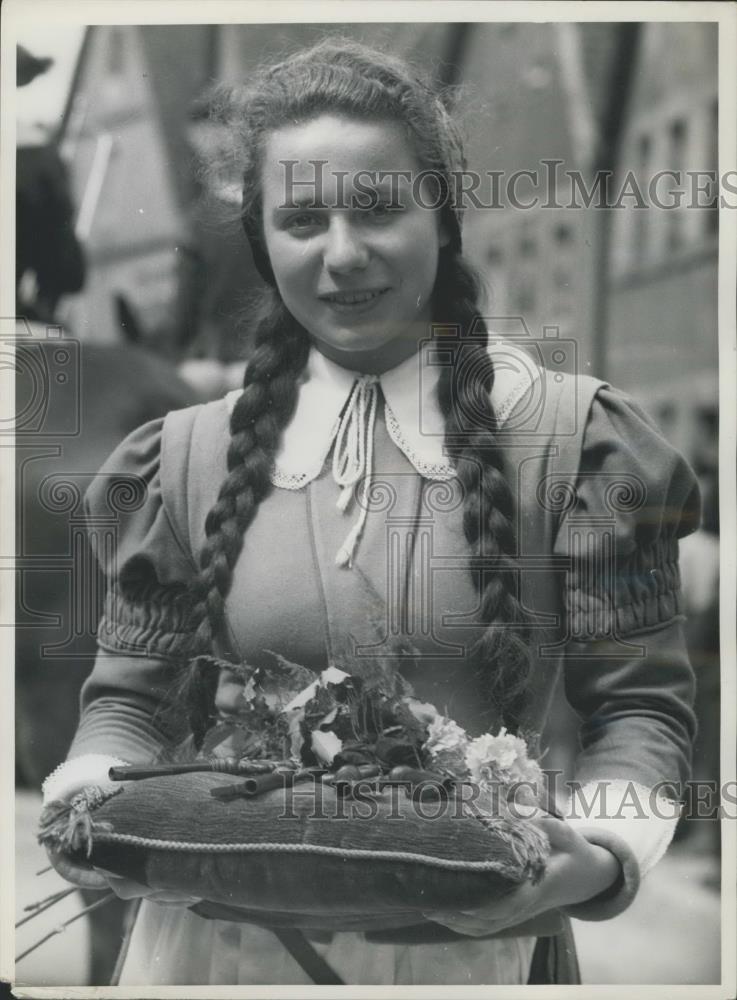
(464, 395)
(270, 391)
(261, 412)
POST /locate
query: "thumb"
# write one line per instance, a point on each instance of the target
(124, 888)
(128, 888)
(84, 877)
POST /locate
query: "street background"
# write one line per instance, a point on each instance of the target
(164, 275)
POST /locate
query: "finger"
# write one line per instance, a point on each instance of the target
(524, 903)
(547, 821)
(509, 906)
(84, 878)
(465, 926)
(475, 918)
(443, 918)
(174, 899)
(125, 888)
(558, 832)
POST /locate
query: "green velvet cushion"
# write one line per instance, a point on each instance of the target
(303, 857)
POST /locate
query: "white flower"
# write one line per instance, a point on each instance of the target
(503, 757)
(325, 745)
(249, 690)
(294, 723)
(444, 734)
(423, 711)
(332, 675)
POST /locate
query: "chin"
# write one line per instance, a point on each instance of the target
(357, 340)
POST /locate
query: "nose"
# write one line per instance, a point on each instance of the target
(345, 248)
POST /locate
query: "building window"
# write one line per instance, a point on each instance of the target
(677, 136)
(527, 246)
(524, 296)
(640, 229)
(115, 47)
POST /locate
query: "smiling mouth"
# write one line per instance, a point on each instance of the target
(356, 298)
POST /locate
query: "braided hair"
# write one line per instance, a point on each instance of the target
(464, 395)
(348, 78)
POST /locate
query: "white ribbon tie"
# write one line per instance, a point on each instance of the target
(353, 456)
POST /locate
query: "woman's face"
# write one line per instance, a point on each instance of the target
(358, 279)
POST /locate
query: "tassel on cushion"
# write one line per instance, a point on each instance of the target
(528, 843)
(68, 826)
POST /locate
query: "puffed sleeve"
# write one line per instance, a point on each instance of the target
(627, 669)
(143, 634)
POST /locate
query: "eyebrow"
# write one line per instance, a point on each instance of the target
(299, 201)
(303, 199)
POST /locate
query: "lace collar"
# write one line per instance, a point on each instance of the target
(413, 417)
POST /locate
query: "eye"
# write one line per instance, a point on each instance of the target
(303, 222)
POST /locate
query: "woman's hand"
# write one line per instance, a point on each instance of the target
(79, 874)
(576, 871)
(126, 888)
(87, 877)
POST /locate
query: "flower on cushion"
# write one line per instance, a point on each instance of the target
(325, 745)
(423, 711)
(249, 690)
(502, 758)
(444, 734)
(446, 744)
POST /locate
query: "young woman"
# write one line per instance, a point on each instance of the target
(513, 520)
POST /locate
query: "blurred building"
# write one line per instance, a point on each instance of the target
(124, 137)
(120, 151)
(529, 107)
(649, 323)
(641, 304)
(663, 330)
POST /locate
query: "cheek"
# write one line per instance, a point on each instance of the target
(296, 293)
(423, 239)
(292, 265)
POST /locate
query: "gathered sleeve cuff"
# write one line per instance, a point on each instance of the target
(634, 497)
(632, 821)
